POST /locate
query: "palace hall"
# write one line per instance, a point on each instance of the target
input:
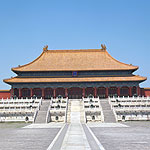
(75, 74)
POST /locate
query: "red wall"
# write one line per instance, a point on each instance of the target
(4, 94)
(146, 91)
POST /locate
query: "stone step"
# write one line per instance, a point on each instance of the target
(42, 113)
(109, 116)
(41, 117)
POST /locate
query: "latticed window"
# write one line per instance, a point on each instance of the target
(89, 91)
(25, 93)
(37, 92)
(48, 92)
(124, 91)
(112, 91)
(60, 91)
(75, 92)
(101, 92)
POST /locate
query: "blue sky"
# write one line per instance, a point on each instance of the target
(27, 25)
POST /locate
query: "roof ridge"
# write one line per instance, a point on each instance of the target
(76, 50)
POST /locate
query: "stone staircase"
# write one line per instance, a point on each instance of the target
(42, 113)
(75, 112)
(109, 116)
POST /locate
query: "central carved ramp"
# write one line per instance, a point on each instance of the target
(109, 116)
(75, 137)
(75, 112)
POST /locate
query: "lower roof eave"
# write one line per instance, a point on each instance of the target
(16, 80)
(10, 83)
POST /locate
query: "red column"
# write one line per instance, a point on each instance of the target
(31, 92)
(83, 92)
(11, 93)
(66, 92)
(43, 93)
(138, 91)
(106, 92)
(118, 91)
(95, 92)
(130, 91)
(54, 93)
(20, 93)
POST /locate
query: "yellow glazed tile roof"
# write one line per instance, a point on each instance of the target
(75, 60)
(85, 79)
(4, 90)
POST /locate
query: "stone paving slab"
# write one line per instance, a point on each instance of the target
(106, 125)
(13, 125)
(45, 125)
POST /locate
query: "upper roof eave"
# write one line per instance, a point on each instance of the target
(15, 70)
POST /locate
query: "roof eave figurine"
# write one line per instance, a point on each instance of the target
(45, 48)
(103, 47)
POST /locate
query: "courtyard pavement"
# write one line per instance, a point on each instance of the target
(119, 136)
(134, 137)
(14, 137)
